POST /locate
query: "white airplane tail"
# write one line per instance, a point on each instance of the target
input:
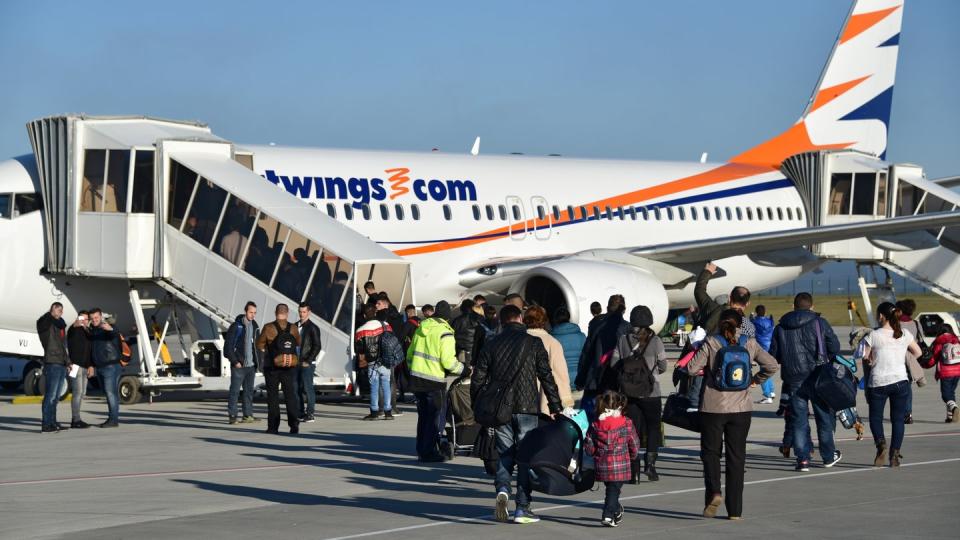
(850, 107)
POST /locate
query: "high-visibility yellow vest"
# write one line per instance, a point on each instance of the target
(433, 352)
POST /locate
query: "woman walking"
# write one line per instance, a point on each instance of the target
(638, 358)
(725, 414)
(886, 355)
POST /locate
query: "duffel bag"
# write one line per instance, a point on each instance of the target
(835, 386)
(676, 414)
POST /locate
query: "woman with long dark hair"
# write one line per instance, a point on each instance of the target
(886, 356)
(725, 414)
(638, 358)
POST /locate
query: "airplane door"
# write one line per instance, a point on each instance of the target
(517, 219)
(542, 219)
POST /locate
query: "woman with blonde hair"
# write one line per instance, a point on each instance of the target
(536, 320)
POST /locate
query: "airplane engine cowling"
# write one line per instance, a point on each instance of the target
(576, 283)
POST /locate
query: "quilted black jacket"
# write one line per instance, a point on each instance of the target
(498, 361)
(469, 333)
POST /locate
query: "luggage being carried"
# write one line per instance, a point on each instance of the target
(554, 453)
(678, 412)
(832, 382)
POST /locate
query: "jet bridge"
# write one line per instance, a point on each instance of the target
(849, 186)
(178, 214)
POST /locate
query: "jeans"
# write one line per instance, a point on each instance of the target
(877, 400)
(305, 390)
(78, 385)
(430, 422)
(241, 378)
(767, 388)
(379, 381)
(508, 437)
(611, 500)
(726, 432)
(948, 389)
(787, 415)
(288, 378)
(909, 408)
(645, 415)
(826, 424)
(53, 375)
(110, 383)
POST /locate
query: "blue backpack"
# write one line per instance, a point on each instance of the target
(732, 372)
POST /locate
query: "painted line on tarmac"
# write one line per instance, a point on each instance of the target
(634, 497)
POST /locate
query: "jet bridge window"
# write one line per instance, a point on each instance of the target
(91, 194)
(204, 212)
(25, 203)
(182, 184)
(328, 286)
(841, 185)
(296, 263)
(864, 193)
(881, 193)
(235, 228)
(141, 201)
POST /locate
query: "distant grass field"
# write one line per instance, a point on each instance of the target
(834, 308)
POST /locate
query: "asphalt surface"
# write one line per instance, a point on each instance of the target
(175, 469)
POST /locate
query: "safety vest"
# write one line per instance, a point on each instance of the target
(433, 353)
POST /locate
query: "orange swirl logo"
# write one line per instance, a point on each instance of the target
(397, 180)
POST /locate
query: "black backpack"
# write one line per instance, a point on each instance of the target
(635, 376)
(391, 352)
(284, 347)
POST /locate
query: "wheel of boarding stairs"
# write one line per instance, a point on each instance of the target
(31, 381)
(129, 390)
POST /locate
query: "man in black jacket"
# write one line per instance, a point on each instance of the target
(78, 344)
(309, 350)
(468, 332)
(106, 352)
(240, 349)
(56, 362)
(515, 356)
(802, 341)
(602, 336)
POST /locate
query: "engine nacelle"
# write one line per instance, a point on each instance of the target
(576, 283)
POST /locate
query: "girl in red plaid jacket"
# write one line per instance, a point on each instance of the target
(612, 441)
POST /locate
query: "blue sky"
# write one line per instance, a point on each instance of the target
(598, 79)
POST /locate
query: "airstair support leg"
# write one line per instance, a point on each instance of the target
(144, 345)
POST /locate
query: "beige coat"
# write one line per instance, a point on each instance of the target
(715, 401)
(558, 365)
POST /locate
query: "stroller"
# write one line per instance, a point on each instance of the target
(461, 430)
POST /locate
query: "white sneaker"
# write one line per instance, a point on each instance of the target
(500, 511)
(773, 395)
(765, 401)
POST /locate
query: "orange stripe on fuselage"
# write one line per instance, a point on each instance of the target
(792, 141)
(724, 173)
(862, 22)
(829, 94)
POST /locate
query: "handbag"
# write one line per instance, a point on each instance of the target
(676, 413)
(494, 403)
(833, 383)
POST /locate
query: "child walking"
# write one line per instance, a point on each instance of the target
(612, 441)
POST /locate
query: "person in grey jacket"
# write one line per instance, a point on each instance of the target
(244, 360)
(643, 406)
(56, 362)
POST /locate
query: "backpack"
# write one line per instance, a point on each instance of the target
(284, 347)
(732, 371)
(926, 352)
(635, 376)
(125, 353)
(391, 352)
(950, 354)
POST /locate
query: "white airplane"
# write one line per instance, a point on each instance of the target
(565, 231)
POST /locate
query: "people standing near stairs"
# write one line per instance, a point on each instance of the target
(309, 351)
(637, 360)
(278, 344)
(56, 362)
(106, 352)
(241, 351)
(79, 347)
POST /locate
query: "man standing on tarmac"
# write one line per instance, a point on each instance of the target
(78, 344)
(518, 356)
(431, 356)
(275, 338)
(106, 352)
(56, 363)
(309, 350)
(244, 360)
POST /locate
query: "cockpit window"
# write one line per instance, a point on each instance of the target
(24, 203)
(5, 199)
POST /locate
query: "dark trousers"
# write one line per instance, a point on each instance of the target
(430, 422)
(611, 501)
(729, 433)
(898, 393)
(306, 392)
(645, 415)
(948, 389)
(287, 378)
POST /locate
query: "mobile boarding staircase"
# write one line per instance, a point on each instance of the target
(180, 217)
(848, 186)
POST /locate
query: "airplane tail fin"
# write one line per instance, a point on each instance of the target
(850, 107)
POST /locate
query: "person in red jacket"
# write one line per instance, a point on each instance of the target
(612, 441)
(946, 358)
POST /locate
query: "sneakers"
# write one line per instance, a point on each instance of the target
(248, 420)
(308, 419)
(785, 451)
(954, 413)
(233, 420)
(109, 424)
(609, 522)
(803, 465)
(710, 510)
(79, 424)
(524, 516)
(388, 415)
(837, 455)
(397, 412)
(372, 416)
(618, 519)
(500, 508)
(765, 401)
(50, 429)
(908, 419)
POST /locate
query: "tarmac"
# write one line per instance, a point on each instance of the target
(176, 469)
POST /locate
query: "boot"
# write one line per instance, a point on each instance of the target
(650, 466)
(635, 471)
(881, 454)
(894, 457)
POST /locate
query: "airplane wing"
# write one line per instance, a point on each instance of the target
(749, 244)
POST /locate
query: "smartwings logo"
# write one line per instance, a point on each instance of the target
(364, 190)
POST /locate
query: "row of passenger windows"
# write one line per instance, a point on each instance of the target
(257, 243)
(514, 212)
(14, 205)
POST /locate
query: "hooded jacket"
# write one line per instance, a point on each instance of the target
(613, 443)
(764, 330)
(498, 360)
(571, 338)
(794, 344)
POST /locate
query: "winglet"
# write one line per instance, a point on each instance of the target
(476, 146)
